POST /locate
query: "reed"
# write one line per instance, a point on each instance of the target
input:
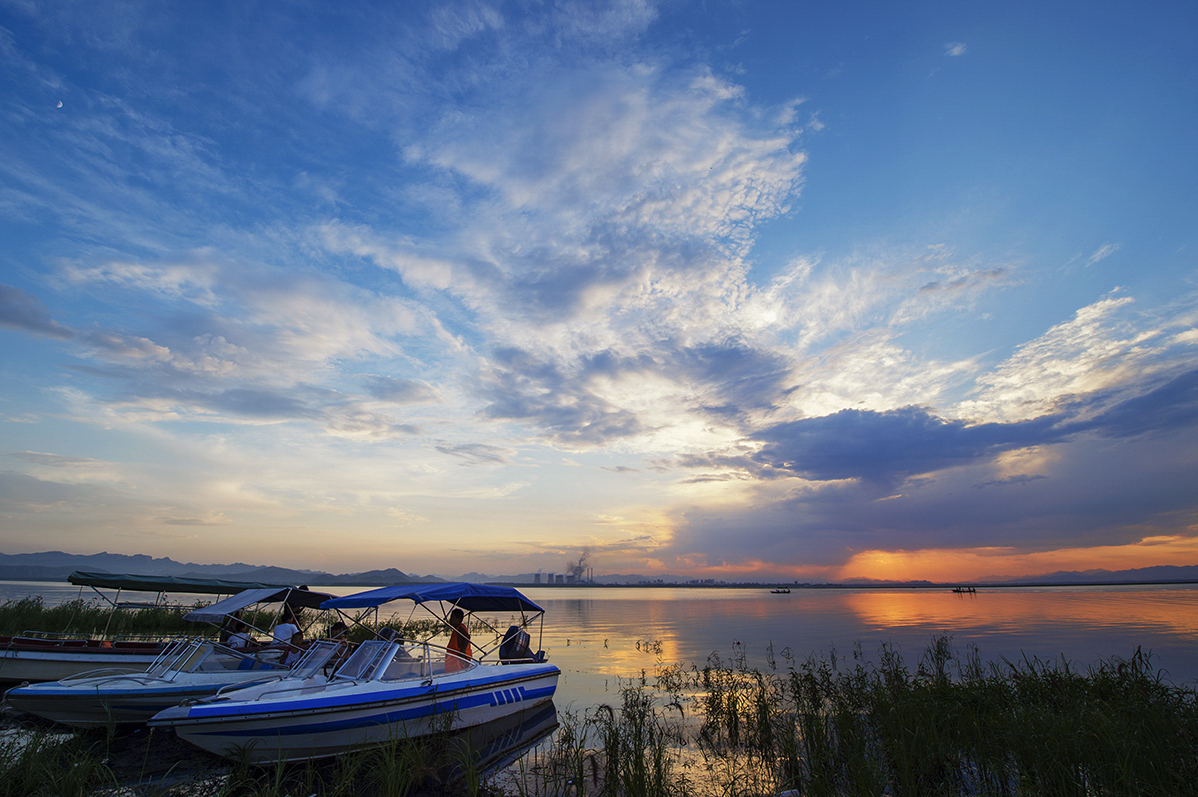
(92, 618)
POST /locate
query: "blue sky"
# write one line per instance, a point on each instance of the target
(727, 289)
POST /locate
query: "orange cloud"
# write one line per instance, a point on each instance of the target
(973, 563)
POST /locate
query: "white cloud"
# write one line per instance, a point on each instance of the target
(1103, 252)
(1098, 348)
(954, 49)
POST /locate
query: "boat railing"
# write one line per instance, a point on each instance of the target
(83, 640)
(228, 687)
(399, 659)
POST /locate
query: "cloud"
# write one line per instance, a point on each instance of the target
(58, 460)
(22, 311)
(215, 520)
(1098, 348)
(478, 453)
(400, 391)
(954, 49)
(888, 446)
(1103, 252)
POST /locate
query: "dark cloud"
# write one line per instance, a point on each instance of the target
(557, 397)
(400, 391)
(20, 310)
(889, 446)
(478, 453)
(1089, 491)
(523, 387)
(1161, 410)
(908, 480)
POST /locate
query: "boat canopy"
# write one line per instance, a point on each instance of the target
(471, 597)
(217, 612)
(203, 586)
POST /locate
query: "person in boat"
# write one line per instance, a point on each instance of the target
(295, 650)
(239, 636)
(459, 642)
(284, 631)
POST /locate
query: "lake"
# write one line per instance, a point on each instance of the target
(599, 635)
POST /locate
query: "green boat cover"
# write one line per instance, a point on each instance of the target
(203, 586)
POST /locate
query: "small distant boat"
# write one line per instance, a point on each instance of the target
(387, 689)
(964, 590)
(780, 591)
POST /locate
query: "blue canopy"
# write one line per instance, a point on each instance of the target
(471, 597)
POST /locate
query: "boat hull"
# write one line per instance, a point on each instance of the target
(320, 721)
(116, 699)
(36, 660)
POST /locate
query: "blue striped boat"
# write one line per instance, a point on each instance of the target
(385, 691)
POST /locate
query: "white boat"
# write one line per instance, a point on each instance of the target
(188, 669)
(386, 690)
(41, 656)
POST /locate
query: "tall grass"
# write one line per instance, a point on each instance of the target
(45, 763)
(92, 618)
(949, 725)
(952, 726)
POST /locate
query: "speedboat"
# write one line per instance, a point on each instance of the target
(386, 690)
(188, 669)
(44, 656)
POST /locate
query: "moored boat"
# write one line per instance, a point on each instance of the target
(36, 656)
(189, 668)
(385, 691)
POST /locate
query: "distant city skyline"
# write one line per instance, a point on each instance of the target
(726, 290)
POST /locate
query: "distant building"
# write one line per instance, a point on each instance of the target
(560, 579)
(536, 579)
(570, 579)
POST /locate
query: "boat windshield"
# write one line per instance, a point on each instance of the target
(176, 651)
(200, 655)
(365, 660)
(315, 659)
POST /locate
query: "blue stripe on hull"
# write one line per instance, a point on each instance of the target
(427, 709)
(354, 699)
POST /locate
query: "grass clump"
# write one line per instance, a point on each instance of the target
(41, 762)
(951, 726)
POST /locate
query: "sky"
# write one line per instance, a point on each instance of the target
(726, 289)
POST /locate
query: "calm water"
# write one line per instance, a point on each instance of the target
(600, 635)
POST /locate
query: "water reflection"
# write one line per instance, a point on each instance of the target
(1165, 611)
(600, 635)
(498, 744)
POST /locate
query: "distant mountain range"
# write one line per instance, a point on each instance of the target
(56, 566)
